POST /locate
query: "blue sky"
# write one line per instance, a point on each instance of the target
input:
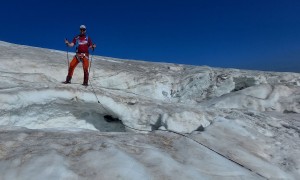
(247, 34)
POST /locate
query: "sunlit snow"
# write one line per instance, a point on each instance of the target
(143, 120)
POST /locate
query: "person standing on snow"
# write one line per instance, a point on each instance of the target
(82, 54)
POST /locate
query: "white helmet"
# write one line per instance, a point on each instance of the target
(82, 27)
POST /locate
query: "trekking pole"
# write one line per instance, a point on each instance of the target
(68, 55)
(91, 61)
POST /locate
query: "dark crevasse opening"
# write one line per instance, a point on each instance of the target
(62, 114)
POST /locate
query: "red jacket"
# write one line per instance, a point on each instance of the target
(84, 42)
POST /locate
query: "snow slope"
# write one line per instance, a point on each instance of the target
(197, 122)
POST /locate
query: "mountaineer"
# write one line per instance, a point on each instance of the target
(84, 43)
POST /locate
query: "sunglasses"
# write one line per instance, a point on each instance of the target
(82, 29)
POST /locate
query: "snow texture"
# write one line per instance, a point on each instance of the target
(143, 120)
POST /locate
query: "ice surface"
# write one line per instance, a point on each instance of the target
(218, 123)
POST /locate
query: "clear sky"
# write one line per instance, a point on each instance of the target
(247, 34)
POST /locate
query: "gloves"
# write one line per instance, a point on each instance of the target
(66, 42)
(93, 46)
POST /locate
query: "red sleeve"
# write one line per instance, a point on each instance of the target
(74, 40)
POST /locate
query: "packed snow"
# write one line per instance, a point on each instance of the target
(143, 120)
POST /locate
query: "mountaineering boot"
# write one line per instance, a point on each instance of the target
(85, 84)
(85, 79)
(68, 80)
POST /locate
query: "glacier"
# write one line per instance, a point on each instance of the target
(144, 120)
